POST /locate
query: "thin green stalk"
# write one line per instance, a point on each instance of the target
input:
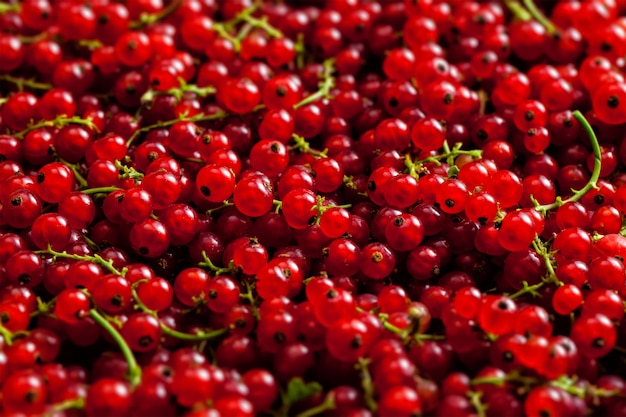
(100, 190)
(168, 331)
(518, 10)
(134, 370)
(57, 122)
(196, 119)
(532, 289)
(30, 83)
(367, 384)
(539, 16)
(6, 335)
(147, 19)
(479, 406)
(104, 263)
(327, 83)
(73, 404)
(595, 175)
(327, 404)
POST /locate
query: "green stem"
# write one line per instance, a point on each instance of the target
(215, 269)
(595, 175)
(539, 16)
(240, 17)
(327, 404)
(532, 289)
(518, 10)
(30, 83)
(263, 24)
(168, 331)
(303, 146)
(73, 404)
(100, 190)
(147, 19)
(128, 172)
(82, 182)
(216, 209)
(197, 118)
(327, 83)
(249, 295)
(104, 263)
(367, 383)
(8, 7)
(134, 370)
(6, 335)
(545, 254)
(57, 122)
(479, 406)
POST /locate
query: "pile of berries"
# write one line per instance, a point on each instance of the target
(340, 207)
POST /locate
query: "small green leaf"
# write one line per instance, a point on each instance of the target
(298, 390)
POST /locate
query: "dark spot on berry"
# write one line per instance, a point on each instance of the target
(393, 102)
(279, 337)
(529, 116)
(568, 122)
(143, 250)
(116, 300)
(359, 28)
(205, 191)
(502, 305)
(531, 132)
(45, 15)
(131, 45)
(240, 323)
(4, 317)
(398, 221)
(130, 89)
(441, 67)
(152, 156)
(598, 343)
(619, 258)
(16, 201)
(145, 341)
(556, 36)
(103, 19)
(507, 356)
(120, 198)
(212, 294)
(449, 203)
(167, 371)
(357, 342)
(332, 293)
(456, 219)
(377, 257)
(606, 47)
(371, 185)
(482, 221)
(544, 413)
(30, 397)
(155, 82)
(482, 135)
(480, 20)
(281, 91)
(275, 147)
(613, 102)
(448, 98)
(24, 279)
(598, 199)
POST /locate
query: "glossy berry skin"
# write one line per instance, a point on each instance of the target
(377, 261)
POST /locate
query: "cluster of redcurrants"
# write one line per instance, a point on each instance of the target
(349, 207)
